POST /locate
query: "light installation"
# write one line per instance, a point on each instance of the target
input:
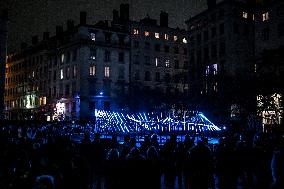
(121, 122)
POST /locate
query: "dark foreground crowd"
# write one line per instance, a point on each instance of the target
(39, 157)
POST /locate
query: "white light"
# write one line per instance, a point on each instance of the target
(60, 108)
(93, 36)
(157, 35)
(184, 40)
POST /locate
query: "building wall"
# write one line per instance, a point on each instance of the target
(3, 47)
(69, 69)
(159, 58)
(269, 27)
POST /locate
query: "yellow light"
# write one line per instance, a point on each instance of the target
(146, 33)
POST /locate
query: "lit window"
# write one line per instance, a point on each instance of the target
(175, 38)
(211, 70)
(265, 16)
(215, 69)
(166, 37)
(62, 58)
(245, 15)
(33, 74)
(107, 72)
(92, 70)
(255, 68)
(184, 40)
(253, 17)
(44, 100)
(93, 53)
(156, 62)
(215, 87)
(157, 35)
(135, 31)
(167, 63)
(146, 33)
(93, 36)
(207, 70)
(61, 74)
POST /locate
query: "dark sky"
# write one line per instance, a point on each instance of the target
(33, 17)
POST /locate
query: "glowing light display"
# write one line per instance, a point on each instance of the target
(107, 121)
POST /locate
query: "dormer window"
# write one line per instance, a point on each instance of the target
(135, 31)
(265, 16)
(157, 35)
(245, 14)
(93, 36)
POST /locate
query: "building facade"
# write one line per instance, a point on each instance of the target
(159, 61)
(269, 48)
(221, 51)
(69, 75)
(227, 48)
(103, 66)
(3, 52)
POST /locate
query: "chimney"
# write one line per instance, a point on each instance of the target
(35, 40)
(45, 36)
(211, 4)
(59, 31)
(23, 45)
(70, 25)
(164, 19)
(115, 16)
(83, 18)
(124, 12)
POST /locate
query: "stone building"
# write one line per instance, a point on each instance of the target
(112, 65)
(221, 53)
(159, 61)
(68, 75)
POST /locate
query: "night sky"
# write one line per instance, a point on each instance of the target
(33, 17)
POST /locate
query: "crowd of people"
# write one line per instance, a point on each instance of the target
(45, 156)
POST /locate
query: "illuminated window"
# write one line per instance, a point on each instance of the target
(167, 63)
(33, 74)
(146, 33)
(271, 109)
(42, 100)
(93, 53)
(93, 36)
(184, 40)
(245, 15)
(135, 31)
(156, 62)
(215, 69)
(175, 38)
(265, 16)
(215, 87)
(211, 70)
(61, 74)
(62, 58)
(157, 35)
(92, 70)
(107, 71)
(255, 68)
(253, 18)
(166, 37)
(207, 70)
